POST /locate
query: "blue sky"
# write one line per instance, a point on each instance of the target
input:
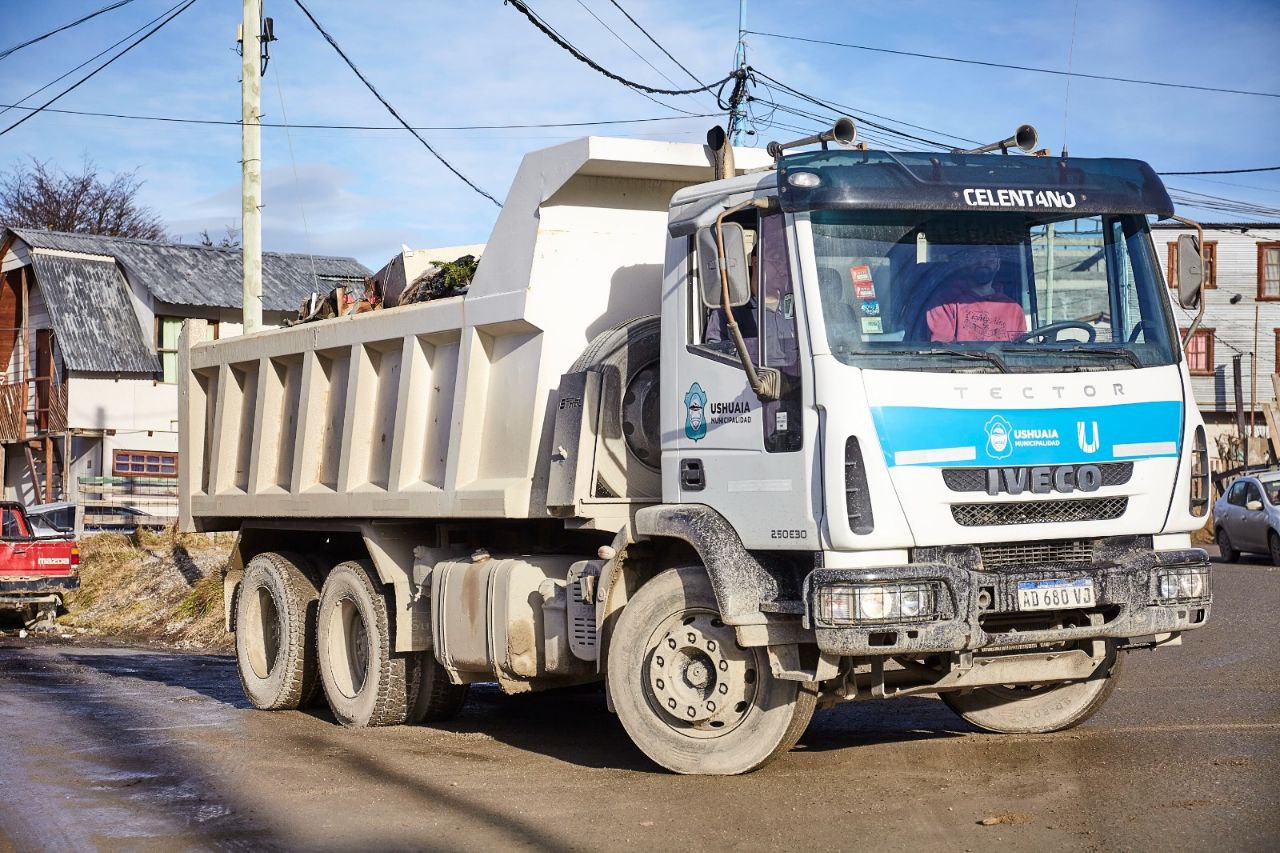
(480, 62)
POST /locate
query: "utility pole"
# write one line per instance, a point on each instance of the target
(736, 111)
(251, 162)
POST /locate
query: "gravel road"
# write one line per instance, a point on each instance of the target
(107, 748)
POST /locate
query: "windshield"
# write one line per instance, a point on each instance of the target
(1024, 292)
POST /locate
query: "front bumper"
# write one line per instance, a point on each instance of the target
(977, 608)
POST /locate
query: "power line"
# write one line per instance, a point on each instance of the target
(96, 56)
(656, 44)
(1241, 186)
(1226, 171)
(4, 54)
(101, 67)
(627, 45)
(550, 32)
(834, 107)
(1018, 67)
(390, 108)
(293, 126)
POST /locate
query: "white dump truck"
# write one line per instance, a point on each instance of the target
(738, 440)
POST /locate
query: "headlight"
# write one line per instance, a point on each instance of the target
(845, 604)
(1184, 584)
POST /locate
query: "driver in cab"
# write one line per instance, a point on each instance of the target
(968, 307)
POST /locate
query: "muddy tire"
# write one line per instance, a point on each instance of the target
(365, 682)
(275, 632)
(1273, 545)
(435, 698)
(690, 697)
(1038, 709)
(1229, 554)
(627, 358)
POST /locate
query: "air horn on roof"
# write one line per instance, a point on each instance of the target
(843, 131)
(1025, 138)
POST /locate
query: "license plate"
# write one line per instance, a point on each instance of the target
(1056, 594)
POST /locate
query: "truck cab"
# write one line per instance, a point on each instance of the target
(978, 368)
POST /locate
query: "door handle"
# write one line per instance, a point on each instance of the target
(693, 477)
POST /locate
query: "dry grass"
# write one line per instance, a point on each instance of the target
(156, 587)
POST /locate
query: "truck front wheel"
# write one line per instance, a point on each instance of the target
(275, 628)
(1038, 709)
(365, 681)
(689, 696)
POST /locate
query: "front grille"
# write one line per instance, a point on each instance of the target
(975, 479)
(1026, 554)
(1038, 512)
(857, 496)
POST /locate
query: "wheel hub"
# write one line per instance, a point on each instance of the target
(699, 676)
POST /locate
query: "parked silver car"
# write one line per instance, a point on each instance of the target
(1247, 517)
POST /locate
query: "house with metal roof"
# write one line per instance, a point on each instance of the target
(89, 346)
(1236, 350)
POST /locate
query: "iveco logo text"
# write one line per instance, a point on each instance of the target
(1042, 479)
(1019, 198)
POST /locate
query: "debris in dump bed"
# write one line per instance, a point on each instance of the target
(440, 280)
(443, 279)
(340, 302)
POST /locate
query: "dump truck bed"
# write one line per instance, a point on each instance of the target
(441, 409)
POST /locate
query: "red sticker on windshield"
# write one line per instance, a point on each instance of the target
(863, 285)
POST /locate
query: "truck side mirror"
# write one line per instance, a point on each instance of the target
(1190, 272)
(735, 259)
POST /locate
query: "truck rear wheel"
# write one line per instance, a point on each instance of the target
(275, 629)
(365, 682)
(627, 358)
(1038, 709)
(435, 698)
(689, 696)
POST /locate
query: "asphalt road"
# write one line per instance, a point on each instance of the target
(125, 748)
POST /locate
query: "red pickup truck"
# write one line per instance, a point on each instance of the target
(34, 572)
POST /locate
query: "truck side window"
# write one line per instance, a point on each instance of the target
(780, 349)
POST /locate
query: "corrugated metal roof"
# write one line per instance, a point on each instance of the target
(201, 275)
(93, 318)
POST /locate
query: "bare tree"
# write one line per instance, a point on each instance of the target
(230, 238)
(34, 195)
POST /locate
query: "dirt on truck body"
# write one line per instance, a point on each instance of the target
(738, 442)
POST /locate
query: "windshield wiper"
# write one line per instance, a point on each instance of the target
(987, 355)
(1083, 349)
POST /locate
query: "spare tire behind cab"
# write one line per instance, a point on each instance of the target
(628, 459)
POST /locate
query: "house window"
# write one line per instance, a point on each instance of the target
(1200, 353)
(1269, 270)
(144, 463)
(167, 331)
(1209, 250)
